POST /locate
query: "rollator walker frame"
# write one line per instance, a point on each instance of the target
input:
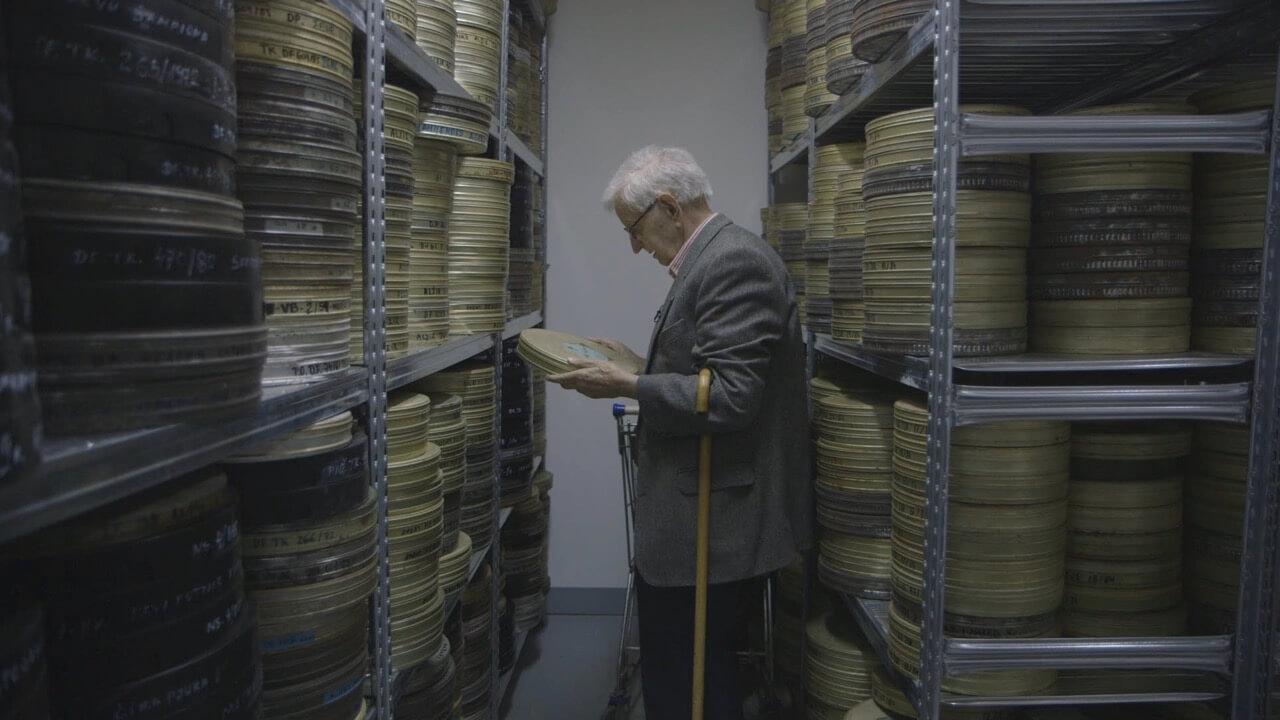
(622, 699)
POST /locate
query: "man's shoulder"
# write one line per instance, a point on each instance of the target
(733, 239)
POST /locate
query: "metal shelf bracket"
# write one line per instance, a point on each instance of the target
(1211, 653)
(996, 134)
(981, 404)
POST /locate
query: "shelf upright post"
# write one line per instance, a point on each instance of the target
(503, 72)
(375, 355)
(812, 197)
(495, 545)
(1255, 647)
(946, 69)
(541, 266)
(811, 353)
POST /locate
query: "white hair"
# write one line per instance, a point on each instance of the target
(652, 171)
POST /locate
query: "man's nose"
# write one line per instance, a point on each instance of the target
(636, 247)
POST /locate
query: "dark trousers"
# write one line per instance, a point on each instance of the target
(665, 616)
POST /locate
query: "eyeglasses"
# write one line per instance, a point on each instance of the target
(631, 229)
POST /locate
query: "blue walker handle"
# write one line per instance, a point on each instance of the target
(619, 410)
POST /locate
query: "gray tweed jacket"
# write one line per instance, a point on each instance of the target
(731, 308)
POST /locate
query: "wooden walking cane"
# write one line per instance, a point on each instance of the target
(704, 542)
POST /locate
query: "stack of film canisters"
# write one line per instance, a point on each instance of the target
(522, 259)
(523, 191)
(300, 178)
(400, 133)
(516, 441)
(1125, 530)
(20, 427)
(1230, 213)
(534, 118)
(309, 562)
(437, 28)
(448, 431)
(455, 633)
(473, 382)
(773, 76)
(434, 162)
(477, 632)
(404, 15)
(432, 691)
(993, 224)
(789, 624)
(297, 488)
(455, 568)
(479, 243)
(145, 614)
(795, 27)
(462, 122)
(844, 261)
(794, 73)
(524, 294)
(524, 561)
(844, 71)
(524, 86)
(878, 24)
(539, 218)
(817, 97)
(835, 164)
(1215, 489)
(415, 529)
(24, 694)
(1008, 480)
(853, 427)
(478, 49)
(1108, 271)
(840, 663)
(141, 318)
(793, 219)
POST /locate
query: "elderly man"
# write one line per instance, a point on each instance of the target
(731, 308)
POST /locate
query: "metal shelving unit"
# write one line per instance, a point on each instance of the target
(520, 324)
(517, 147)
(411, 59)
(1191, 386)
(1177, 669)
(81, 474)
(408, 57)
(1035, 57)
(797, 150)
(1052, 57)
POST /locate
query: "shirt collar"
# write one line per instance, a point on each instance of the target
(678, 260)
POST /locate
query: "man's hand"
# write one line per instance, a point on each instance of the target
(627, 358)
(597, 379)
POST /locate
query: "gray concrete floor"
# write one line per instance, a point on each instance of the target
(567, 671)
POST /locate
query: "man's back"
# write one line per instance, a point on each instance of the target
(731, 308)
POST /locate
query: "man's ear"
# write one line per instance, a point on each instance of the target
(670, 205)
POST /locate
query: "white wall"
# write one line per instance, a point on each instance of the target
(623, 74)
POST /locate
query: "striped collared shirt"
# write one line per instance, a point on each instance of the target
(678, 260)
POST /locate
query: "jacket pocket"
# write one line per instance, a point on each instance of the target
(729, 475)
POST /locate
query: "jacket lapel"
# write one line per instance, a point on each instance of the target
(700, 243)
